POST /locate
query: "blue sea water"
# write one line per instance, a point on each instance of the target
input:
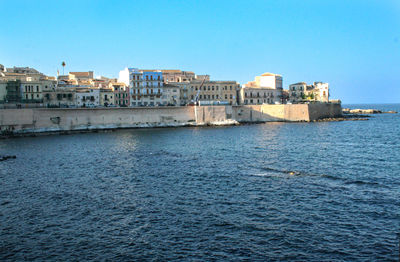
(324, 191)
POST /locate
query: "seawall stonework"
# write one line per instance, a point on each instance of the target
(63, 119)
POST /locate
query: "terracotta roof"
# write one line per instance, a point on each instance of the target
(171, 71)
(80, 73)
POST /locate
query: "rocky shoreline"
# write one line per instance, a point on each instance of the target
(345, 117)
(366, 111)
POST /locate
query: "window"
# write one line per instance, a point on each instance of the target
(230, 87)
(151, 78)
(231, 97)
(217, 96)
(212, 96)
(200, 97)
(226, 96)
(147, 77)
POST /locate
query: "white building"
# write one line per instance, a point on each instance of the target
(265, 89)
(300, 92)
(87, 97)
(171, 95)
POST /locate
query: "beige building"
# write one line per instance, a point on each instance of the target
(32, 91)
(265, 89)
(301, 92)
(257, 96)
(81, 76)
(107, 97)
(183, 91)
(297, 92)
(59, 97)
(224, 92)
(177, 76)
(171, 95)
(203, 77)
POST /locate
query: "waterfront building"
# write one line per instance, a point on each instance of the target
(203, 77)
(13, 91)
(265, 89)
(297, 92)
(183, 89)
(54, 96)
(85, 97)
(146, 86)
(320, 91)
(171, 95)
(300, 92)
(214, 92)
(177, 76)
(81, 76)
(32, 91)
(107, 97)
(257, 96)
(121, 94)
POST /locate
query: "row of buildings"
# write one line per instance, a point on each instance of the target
(24, 86)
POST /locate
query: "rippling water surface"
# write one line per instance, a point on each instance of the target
(275, 191)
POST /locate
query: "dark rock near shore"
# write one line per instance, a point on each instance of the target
(3, 158)
(365, 111)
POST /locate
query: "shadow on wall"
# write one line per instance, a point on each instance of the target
(269, 113)
(291, 113)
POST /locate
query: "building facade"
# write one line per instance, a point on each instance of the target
(59, 97)
(301, 92)
(257, 96)
(178, 76)
(265, 89)
(121, 94)
(32, 91)
(214, 92)
(107, 97)
(171, 96)
(87, 97)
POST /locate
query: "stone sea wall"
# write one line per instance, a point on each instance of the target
(35, 120)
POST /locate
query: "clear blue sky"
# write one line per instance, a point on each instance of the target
(353, 45)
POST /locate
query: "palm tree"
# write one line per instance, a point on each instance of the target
(63, 65)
